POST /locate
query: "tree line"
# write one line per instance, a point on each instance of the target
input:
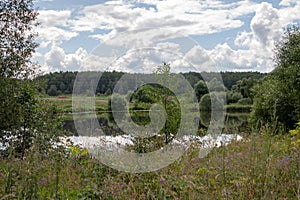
(61, 83)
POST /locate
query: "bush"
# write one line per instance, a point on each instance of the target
(233, 97)
(215, 99)
(277, 98)
(245, 101)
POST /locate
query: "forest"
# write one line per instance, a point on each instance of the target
(151, 153)
(61, 83)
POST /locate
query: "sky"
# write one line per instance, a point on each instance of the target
(139, 35)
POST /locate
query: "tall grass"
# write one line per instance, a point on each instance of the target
(261, 166)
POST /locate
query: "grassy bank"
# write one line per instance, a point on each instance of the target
(238, 108)
(64, 103)
(259, 167)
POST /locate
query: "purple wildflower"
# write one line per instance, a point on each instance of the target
(42, 181)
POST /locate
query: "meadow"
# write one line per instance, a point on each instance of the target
(261, 166)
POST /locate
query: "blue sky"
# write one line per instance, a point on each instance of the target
(138, 35)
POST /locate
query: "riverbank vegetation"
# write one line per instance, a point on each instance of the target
(261, 166)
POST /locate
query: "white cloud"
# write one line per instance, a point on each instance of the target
(133, 27)
(188, 18)
(200, 59)
(258, 45)
(54, 26)
(265, 24)
(243, 39)
(49, 18)
(288, 2)
(55, 35)
(132, 24)
(56, 59)
(234, 60)
(146, 60)
(35, 1)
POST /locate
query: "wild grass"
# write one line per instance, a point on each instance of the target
(236, 107)
(64, 103)
(261, 166)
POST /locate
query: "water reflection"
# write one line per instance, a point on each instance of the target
(234, 122)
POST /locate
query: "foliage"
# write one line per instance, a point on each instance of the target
(16, 49)
(258, 167)
(233, 97)
(245, 101)
(17, 38)
(231, 78)
(25, 125)
(213, 98)
(295, 136)
(200, 89)
(244, 87)
(239, 108)
(277, 98)
(148, 93)
(109, 79)
(52, 91)
(216, 85)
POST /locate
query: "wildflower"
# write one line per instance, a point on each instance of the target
(162, 181)
(42, 181)
(85, 179)
(286, 159)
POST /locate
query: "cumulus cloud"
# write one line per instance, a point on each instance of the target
(200, 59)
(54, 18)
(54, 26)
(146, 59)
(243, 39)
(55, 35)
(288, 2)
(133, 24)
(188, 18)
(56, 59)
(266, 23)
(256, 46)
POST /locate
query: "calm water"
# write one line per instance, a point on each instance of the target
(234, 123)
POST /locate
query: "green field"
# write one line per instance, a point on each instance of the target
(64, 103)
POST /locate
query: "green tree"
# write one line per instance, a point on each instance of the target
(23, 122)
(200, 89)
(16, 49)
(52, 90)
(213, 98)
(277, 99)
(169, 102)
(17, 38)
(244, 87)
(233, 97)
(108, 92)
(216, 86)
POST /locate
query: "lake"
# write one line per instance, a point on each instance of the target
(234, 122)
